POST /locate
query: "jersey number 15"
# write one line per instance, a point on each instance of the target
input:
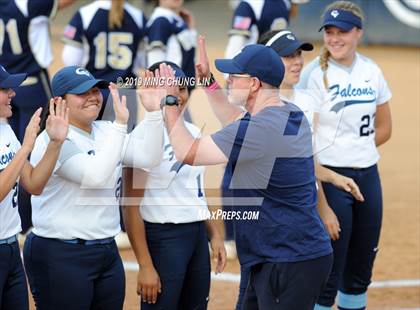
(112, 48)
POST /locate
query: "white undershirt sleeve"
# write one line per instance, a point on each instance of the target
(234, 46)
(144, 146)
(39, 40)
(95, 170)
(72, 55)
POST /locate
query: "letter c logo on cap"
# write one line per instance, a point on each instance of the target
(82, 71)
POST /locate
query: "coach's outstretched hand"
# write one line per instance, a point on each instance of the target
(120, 105)
(149, 92)
(202, 67)
(57, 125)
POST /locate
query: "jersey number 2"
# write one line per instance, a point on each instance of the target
(114, 43)
(365, 129)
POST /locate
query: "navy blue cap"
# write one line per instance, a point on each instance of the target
(178, 71)
(256, 60)
(343, 19)
(285, 43)
(74, 80)
(8, 80)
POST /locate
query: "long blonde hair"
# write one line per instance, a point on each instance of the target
(325, 54)
(116, 14)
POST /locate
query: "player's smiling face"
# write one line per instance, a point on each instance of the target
(84, 108)
(6, 95)
(342, 44)
(293, 65)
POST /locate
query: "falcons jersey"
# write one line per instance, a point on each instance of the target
(9, 215)
(345, 129)
(175, 191)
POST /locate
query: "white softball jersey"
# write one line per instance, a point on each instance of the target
(345, 129)
(174, 191)
(81, 198)
(9, 216)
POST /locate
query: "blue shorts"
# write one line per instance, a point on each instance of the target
(74, 276)
(181, 257)
(13, 288)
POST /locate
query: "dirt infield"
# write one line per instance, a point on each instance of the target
(399, 255)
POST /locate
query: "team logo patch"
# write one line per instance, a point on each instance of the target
(335, 13)
(242, 22)
(69, 31)
(82, 71)
(290, 37)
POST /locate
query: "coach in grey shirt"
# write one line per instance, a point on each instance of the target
(287, 249)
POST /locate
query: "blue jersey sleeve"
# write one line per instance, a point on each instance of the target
(241, 141)
(73, 33)
(159, 32)
(46, 8)
(243, 19)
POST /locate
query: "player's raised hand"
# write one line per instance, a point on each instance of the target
(149, 94)
(202, 67)
(170, 85)
(120, 105)
(57, 125)
(31, 131)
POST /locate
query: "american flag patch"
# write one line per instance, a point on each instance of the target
(242, 22)
(69, 31)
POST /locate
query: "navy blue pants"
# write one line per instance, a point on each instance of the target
(355, 250)
(181, 257)
(13, 288)
(287, 286)
(27, 100)
(245, 272)
(74, 276)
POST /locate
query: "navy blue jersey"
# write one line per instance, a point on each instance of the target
(111, 51)
(24, 34)
(168, 30)
(254, 17)
(273, 172)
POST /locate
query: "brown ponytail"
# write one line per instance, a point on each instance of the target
(116, 14)
(323, 62)
(325, 54)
